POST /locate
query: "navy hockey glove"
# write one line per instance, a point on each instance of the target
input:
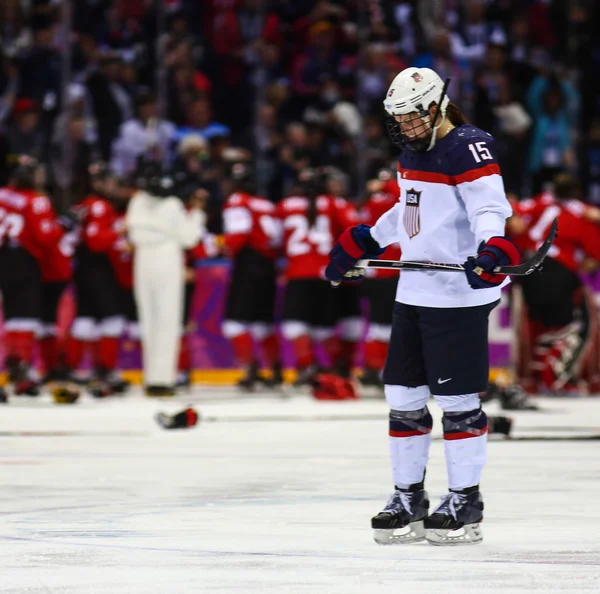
(497, 251)
(69, 220)
(355, 243)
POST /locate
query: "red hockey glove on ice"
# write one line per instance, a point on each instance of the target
(355, 243)
(497, 251)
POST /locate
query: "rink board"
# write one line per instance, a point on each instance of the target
(272, 494)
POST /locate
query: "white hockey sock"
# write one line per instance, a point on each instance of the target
(409, 441)
(465, 441)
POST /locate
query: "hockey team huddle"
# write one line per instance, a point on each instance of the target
(428, 331)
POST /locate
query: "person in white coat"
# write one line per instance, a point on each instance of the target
(161, 229)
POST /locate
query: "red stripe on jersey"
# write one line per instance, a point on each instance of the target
(469, 176)
(449, 180)
(465, 434)
(408, 433)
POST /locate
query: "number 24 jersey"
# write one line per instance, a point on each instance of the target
(307, 247)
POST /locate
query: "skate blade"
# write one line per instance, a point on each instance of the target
(467, 535)
(414, 532)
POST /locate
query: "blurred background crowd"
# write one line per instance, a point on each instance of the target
(290, 84)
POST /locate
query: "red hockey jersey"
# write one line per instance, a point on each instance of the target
(307, 248)
(98, 224)
(250, 221)
(56, 264)
(577, 237)
(27, 219)
(120, 253)
(378, 204)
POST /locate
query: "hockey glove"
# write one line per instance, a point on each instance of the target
(497, 251)
(69, 220)
(355, 243)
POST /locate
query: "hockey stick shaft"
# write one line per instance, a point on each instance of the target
(522, 269)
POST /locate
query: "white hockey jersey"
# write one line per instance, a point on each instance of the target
(451, 199)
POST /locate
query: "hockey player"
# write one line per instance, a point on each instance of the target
(558, 327)
(57, 272)
(98, 319)
(28, 227)
(120, 255)
(251, 238)
(350, 324)
(452, 205)
(160, 230)
(311, 222)
(379, 286)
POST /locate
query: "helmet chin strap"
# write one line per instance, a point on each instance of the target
(434, 132)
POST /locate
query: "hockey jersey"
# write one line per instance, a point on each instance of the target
(56, 264)
(98, 224)
(577, 237)
(378, 204)
(120, 254)
(249, 221)
(307, 247)
(28, 220)
(451, 199)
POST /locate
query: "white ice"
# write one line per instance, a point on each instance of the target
(271, 495)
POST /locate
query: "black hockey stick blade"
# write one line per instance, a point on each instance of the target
(537, 260)
(522, 269)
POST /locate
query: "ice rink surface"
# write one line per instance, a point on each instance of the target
(272, 495)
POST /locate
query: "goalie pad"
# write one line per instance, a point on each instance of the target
(559, 359)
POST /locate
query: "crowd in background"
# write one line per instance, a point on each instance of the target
(294, 83)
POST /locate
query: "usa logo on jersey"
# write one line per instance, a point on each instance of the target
(412, 217)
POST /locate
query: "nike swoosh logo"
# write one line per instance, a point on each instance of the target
(441, 381)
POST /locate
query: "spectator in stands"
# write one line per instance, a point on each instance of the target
(511, 131)
(200, 121)
(11, 23)
(440, 59)
(111, 104)
(24, 134)
(146, 135)
(40, 64)
(552, 140)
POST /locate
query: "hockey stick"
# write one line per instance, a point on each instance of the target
(522, 269)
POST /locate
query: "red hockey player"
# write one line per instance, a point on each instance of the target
(251, 237)
(99, 316)
(28, 227)
(57, 272)
(379, 286)
(343, 345)
(311, 223)
(558, 328)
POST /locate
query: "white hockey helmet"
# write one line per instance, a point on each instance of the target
(414, 90)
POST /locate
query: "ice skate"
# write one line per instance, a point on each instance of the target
(160, 391)
(23, 383)
(305, 376)
(183, 380)
(65, 392)
(250, 379)
(275, 379)
(515, 398)
(117, 384)
(455, 521)
(401, 521)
